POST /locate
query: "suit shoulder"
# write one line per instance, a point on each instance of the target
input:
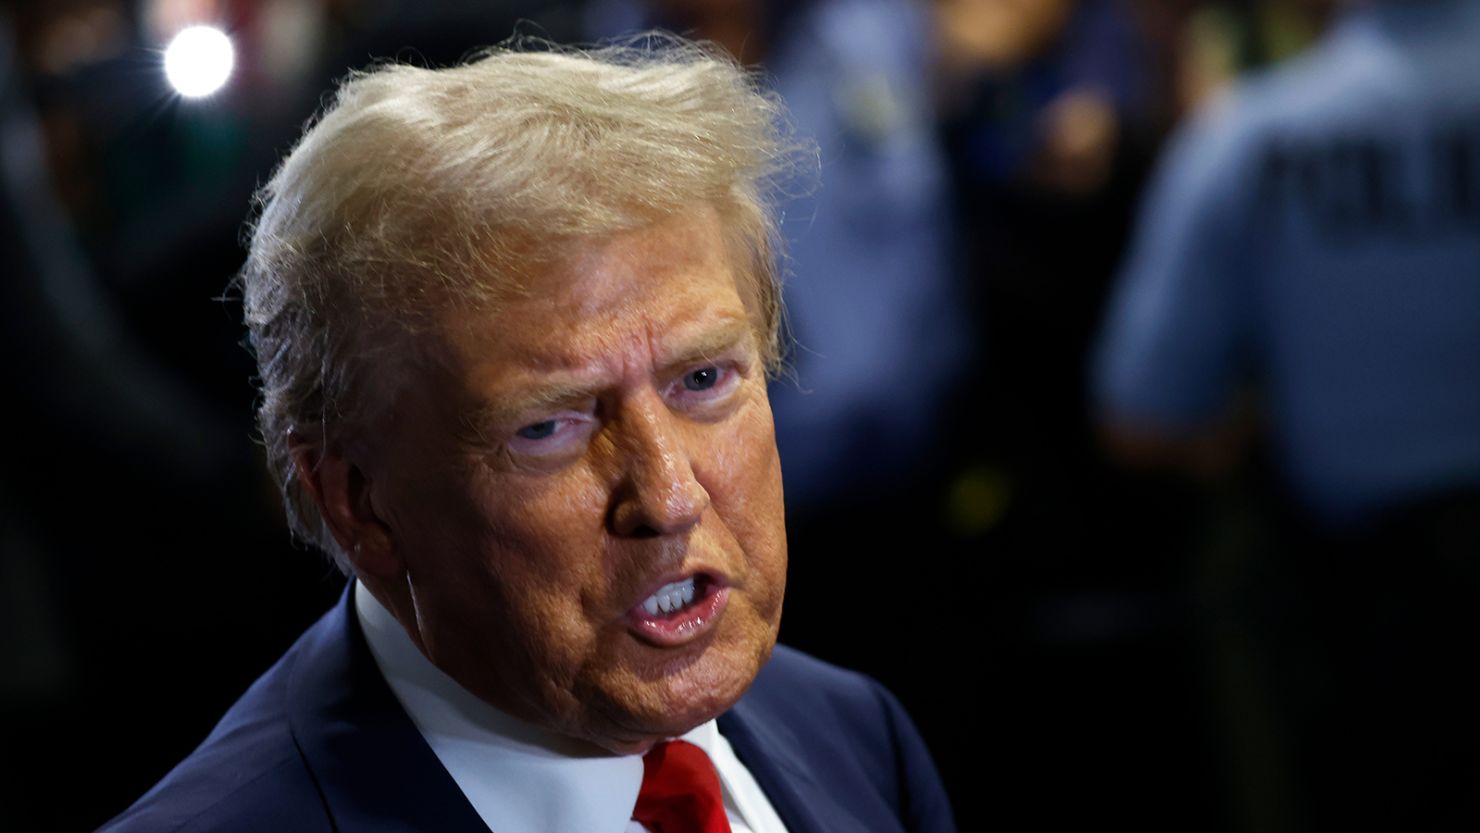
(851, 733)
(848, 726)
(247, 775)
(271, 798)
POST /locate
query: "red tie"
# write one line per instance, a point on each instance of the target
(680, 791)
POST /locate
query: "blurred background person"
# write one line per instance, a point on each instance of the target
(1305, 272)
(1052, 111)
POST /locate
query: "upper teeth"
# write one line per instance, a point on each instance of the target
(670, 597)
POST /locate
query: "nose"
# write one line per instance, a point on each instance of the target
(659, 494)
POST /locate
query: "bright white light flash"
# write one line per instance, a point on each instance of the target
(198, 61)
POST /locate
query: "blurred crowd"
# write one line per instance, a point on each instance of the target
(1131, 432)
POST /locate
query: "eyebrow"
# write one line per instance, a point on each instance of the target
(711, 343)
(510, 409)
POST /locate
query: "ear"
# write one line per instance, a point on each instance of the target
(342, 491)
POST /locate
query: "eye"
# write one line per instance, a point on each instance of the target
(701, 380)
(704, 387)
(538, 431)
(556, 435)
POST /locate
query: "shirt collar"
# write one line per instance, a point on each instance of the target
(519, 777)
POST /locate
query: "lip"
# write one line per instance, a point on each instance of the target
(672, 630)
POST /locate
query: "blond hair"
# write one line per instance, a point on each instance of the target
(418, 189)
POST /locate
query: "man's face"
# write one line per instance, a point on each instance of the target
(595, 452)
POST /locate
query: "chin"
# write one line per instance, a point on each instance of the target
(648, 711)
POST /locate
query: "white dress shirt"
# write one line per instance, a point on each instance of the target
(524, 779)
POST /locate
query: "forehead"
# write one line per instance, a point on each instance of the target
(651, 291)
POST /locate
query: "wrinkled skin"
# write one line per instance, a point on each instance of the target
(557, 460)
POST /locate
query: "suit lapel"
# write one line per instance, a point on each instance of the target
(779, 763)
(372, 767)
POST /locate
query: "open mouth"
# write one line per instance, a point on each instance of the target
(679, 611)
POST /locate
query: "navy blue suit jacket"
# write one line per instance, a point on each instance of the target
(319, 743)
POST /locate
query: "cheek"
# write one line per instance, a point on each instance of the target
(538, 584)
(745, 470)
(543, 524)
(533, 544)
(544, 538)
(744, 483)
